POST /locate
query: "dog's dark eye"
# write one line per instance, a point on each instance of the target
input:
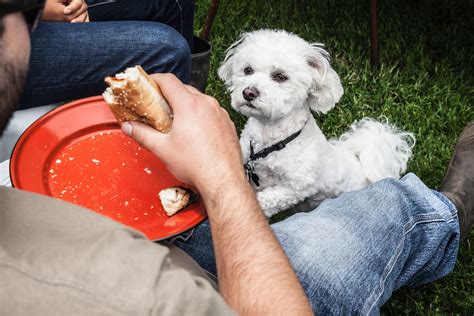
(279, 77)
(248, 70)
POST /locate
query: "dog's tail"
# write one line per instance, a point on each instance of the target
(381, 148)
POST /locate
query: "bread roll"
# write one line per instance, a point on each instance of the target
(175, 199)
(133, 96)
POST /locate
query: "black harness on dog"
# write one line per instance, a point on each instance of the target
(250, 166)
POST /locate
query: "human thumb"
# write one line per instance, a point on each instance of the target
(144, 135)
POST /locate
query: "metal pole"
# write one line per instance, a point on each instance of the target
(374, 46)
(206, 32)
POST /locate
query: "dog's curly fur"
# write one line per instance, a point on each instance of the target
(276, 79)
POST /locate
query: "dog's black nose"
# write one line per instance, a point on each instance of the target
(250, 93)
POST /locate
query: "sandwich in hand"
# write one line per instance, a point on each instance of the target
(133, 96)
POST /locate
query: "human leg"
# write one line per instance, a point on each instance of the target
(352, 252)
(179, 14)
(70, 60)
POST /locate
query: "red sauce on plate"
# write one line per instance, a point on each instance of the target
(124, 184)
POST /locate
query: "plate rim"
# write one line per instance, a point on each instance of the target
(38, 121)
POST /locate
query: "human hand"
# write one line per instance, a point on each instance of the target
(65, 11)
(202, 147)
(76, 11)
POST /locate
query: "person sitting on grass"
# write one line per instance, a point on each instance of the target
(349, 254)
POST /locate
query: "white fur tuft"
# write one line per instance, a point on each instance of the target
(382, 149)
(326, 89)
(225, 70)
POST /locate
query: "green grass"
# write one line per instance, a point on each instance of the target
(424, 85)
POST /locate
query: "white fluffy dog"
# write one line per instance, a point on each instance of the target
(276, 79)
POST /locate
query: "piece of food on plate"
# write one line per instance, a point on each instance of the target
(133, 96)
(175, 199)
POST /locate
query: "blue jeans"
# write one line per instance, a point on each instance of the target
(352, 252)
(70, 60)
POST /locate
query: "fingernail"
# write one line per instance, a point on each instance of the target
(127, 128)
(67, 11)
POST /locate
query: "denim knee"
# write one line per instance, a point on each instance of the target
(183, 60)
(169, 51)
(352, 252)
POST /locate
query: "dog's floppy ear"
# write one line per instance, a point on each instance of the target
(225, 70)
(326, 88)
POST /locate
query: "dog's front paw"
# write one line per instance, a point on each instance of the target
(269, 212)
(267, 204)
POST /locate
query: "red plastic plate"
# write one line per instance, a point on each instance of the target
(78, 153)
